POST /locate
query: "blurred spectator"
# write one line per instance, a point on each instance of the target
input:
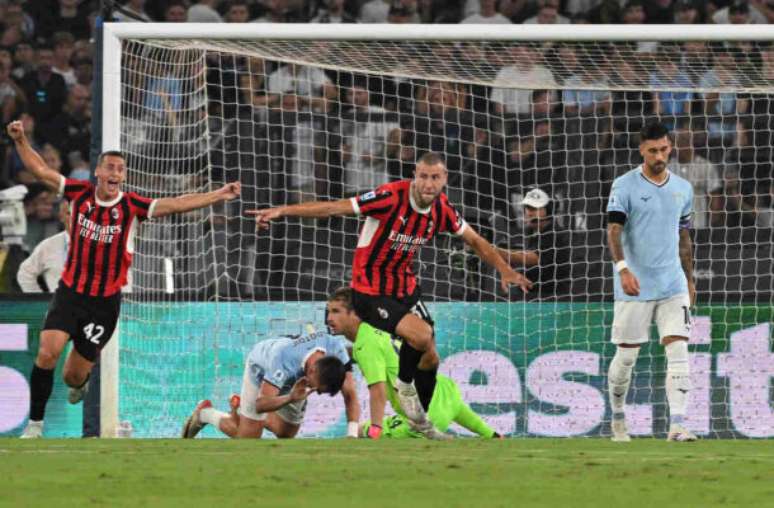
(238, 11)
(630, 107)
(547, 14)
(175, 12)
(531, 160)
(17, 25)
(333, 13)
(403, 11)
(302, 87)
(369, 140)
(23, 60)
(277, 12)
(739, 13)
(702, 174)
(586, 90)
(375, 11)
(47, 259)
(607, 12)
(728, 207)
(524, 69)
(765, 217)
(72, 16)
(696, 60)
(41, 218)
(576, 8)
(253, 88)
(70, 130)
(487, 14)
(12, 97)
(45, 90)
(687, 12)
(135, 11)
(84, 70)
(660, 12)
(545, 248)
(722, 109)
(203, 11)
(669, 75)
(63, 52)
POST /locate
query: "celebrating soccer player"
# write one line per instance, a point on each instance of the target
(648, 235)
(375, 353)
(86, 304)
(279, 375)
(401, 217)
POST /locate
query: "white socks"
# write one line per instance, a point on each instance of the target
(212, 416)
(678, 379)
(619, 376)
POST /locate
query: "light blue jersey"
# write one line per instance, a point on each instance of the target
(651, 236)
(280, 361)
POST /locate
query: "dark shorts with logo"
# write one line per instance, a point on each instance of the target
(89, 320)
(384, 312)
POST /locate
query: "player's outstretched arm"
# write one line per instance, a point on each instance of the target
(525, 258)
(489, 254)
(313, 209)
(351, 404)
(31, 159)
(188, 202)
(629, 283)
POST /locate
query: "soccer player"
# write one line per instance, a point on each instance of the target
(649, 216)
(279, 374)
(401, 216)
(85, 307)
(375, 352)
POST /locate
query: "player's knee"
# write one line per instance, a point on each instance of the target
(677, 357)
(74, 378)
(430, 360)
(627, 355)
(46, 358)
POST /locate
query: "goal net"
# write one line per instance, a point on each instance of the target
(303, 113)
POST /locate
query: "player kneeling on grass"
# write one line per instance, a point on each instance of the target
(376, 352)
(279, 375)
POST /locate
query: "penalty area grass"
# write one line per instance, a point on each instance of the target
(400, 473)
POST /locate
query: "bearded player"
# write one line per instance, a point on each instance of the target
(401, 217)
(103, 222)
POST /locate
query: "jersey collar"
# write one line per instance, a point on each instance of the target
(414, 204)
(666, 180)
(108, 204)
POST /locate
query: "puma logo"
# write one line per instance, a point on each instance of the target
(645, 198)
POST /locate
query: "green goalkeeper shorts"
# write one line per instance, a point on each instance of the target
(446, 404)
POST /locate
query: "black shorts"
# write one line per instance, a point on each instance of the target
(384, 312)
(90, 320)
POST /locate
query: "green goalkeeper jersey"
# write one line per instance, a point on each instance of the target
(376, 355)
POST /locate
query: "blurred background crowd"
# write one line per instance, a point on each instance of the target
(292, 133)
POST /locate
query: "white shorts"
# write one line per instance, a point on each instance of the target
(632, 320)
(292, 413)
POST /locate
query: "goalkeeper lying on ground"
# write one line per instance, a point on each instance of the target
(375, 352)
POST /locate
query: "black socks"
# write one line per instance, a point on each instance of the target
(41, 383)
(424, 381)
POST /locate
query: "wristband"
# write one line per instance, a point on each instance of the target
(352, 429)
(621, 266)
(374, 431)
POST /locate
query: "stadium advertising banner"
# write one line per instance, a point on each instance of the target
(530, 369)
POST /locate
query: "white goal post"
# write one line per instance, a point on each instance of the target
(227, 38)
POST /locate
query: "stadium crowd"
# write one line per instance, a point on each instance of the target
(320, 134)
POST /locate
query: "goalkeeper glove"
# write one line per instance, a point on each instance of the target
(373, 431)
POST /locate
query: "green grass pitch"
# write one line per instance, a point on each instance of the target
(395, 474)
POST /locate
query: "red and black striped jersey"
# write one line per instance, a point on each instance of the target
(394, 230)
(101, 237)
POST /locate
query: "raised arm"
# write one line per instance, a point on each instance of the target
(351, 404)
(313, 209)
(31, 159)
(188, 202)
(526, 258)
(686, 260)
(489, 254)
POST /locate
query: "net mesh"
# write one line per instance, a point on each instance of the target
(301, 120)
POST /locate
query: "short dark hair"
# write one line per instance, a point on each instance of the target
(343, 295)
(431, 159)
(332, 372)
(653, 130)
(106, 153)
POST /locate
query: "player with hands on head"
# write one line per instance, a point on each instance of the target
(86, 304)
(401, 217)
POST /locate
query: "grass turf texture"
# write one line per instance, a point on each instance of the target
(322, 473)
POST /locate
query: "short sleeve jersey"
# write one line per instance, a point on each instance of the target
(102, 236)
(394, 230)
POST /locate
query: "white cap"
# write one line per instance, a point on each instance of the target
(536, 198)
